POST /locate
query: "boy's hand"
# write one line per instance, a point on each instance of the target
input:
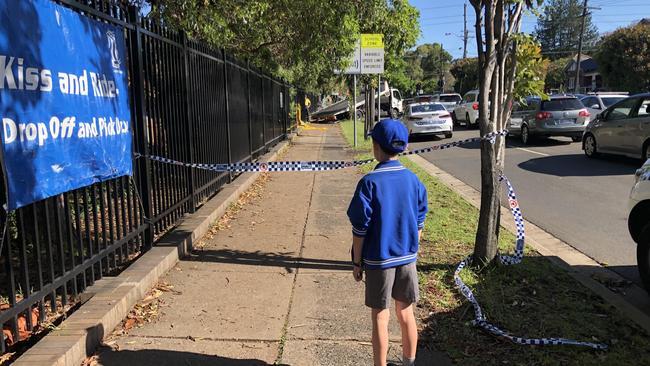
(357, 272)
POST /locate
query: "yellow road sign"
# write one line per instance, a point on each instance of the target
(372, 41)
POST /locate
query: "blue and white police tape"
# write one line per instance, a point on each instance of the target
(479, 318)
(311, 166)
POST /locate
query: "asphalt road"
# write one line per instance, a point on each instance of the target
(579, 200)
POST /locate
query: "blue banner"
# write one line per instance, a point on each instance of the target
(64, 100)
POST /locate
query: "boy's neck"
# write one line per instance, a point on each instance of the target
(388, 158)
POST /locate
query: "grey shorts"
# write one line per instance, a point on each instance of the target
(400, 283)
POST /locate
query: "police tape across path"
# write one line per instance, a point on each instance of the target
(480, 319)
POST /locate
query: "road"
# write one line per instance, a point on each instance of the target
(579, 200)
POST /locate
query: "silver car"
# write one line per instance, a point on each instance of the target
(561, 115)
(598, 102)
(622, 129)
(428, 119)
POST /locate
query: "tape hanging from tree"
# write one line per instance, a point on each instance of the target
(480, 320)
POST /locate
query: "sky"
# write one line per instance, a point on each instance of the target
(441, 21)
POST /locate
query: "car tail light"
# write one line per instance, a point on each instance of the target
(445, 115)
(543, 115)
(475, 106)
(584, 113)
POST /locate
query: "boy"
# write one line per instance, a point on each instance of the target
(387, 215)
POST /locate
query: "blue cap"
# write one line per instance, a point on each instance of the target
(391, 135)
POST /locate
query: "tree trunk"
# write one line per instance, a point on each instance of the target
(497, 61)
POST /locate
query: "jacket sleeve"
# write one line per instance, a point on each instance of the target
(360, 209)
(423, 205)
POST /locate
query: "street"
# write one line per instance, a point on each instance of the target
(579, 200)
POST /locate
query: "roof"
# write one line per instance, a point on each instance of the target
(587, 64)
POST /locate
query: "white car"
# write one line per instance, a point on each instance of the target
(467, 110)
(428, 119)
(638, 220)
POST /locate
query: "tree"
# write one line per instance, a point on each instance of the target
(466, 73)
(558, 29)
(531, 69)
(624, 58)
(497, 26)
(427, 63)
(301, 41)
(556, 76)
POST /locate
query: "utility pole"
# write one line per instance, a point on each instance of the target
(465, 32)
(441, 83)
(582, 32)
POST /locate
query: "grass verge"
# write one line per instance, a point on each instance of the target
(532, 299)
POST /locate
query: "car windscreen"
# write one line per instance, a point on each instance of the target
(450, 98)
(564, 104)
(424, 108)
(607, 101)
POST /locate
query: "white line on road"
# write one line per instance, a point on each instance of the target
(531, 151)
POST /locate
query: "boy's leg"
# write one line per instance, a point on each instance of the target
(379, 285)
(380, 319)
(406, 293)
(409, 328)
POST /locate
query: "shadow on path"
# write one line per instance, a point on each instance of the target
(170, 358)
(269, 259)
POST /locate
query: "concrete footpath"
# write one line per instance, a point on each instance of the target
(274, 286)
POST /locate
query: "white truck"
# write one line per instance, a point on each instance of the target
(391, 102)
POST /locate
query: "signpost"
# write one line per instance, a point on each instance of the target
(367, 58)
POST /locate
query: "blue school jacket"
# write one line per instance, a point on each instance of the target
(388, 208)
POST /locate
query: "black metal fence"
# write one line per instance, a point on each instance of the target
(189, 102)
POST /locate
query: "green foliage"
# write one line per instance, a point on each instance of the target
(466, 73)
(558, 29)
(426, 64)
(624, 58)
(555, 75)
(302, 41)
(531, 68)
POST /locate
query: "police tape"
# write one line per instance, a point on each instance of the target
(480, 319)
(311, 166)
(307, 166)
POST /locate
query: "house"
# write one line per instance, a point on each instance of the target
(590, 78)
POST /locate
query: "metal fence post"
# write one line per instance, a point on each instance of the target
(248, 101)
(227, 105)
(140, 124)
(190, 122)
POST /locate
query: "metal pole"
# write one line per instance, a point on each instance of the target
(354, 109)
(582, 32)
(379, 99)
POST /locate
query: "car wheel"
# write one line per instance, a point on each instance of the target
(576, 139)
(449, 135)
(525, 135)
(643, 256)
(590, 146)
(646, 151)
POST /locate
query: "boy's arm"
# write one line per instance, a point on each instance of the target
(357, 249)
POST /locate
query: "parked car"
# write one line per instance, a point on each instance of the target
(598, 102)
(638, 221)
(449, 100)
(428, 119)
(623, 129)
(467, 110)
(560, 115)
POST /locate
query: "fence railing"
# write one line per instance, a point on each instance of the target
(189, 102)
